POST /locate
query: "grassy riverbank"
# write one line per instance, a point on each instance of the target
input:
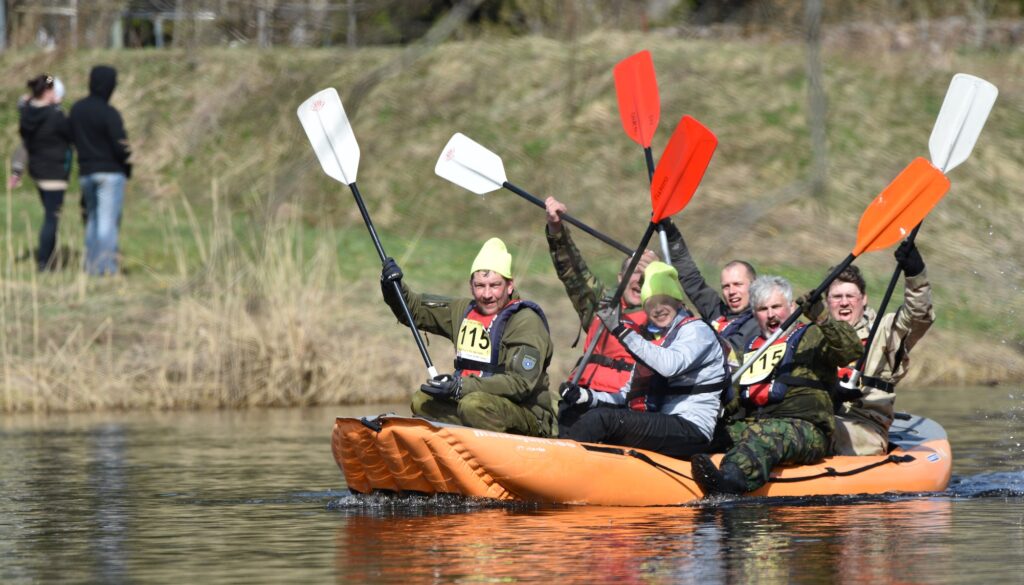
(251, 279)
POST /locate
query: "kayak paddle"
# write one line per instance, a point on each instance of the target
(888, 218)
(640, 109)
(964, 111)
(674, 182)
(471, 166)
(329, 131)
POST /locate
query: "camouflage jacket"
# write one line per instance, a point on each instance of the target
(822, 350)
(586, 292)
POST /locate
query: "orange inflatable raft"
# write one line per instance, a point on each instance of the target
(403, 454)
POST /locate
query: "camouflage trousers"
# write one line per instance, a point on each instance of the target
(480, 411)
(760, 445)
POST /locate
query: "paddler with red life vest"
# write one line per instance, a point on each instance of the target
(502, 350)
(729, 313)
(610, 366)
(866, 411)
(670, 403)
(783, 411)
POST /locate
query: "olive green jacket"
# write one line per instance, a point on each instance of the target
(525, 351)
(823, 349)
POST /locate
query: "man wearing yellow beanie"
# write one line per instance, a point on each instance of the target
(670, 403)
(502, 350)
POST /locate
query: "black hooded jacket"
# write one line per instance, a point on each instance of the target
(47, 138)
(97, 128)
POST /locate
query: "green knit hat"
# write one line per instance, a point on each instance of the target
(660, 279)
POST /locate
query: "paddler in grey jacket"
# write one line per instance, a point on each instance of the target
(862, 423)
(671, 402)
(729, 314)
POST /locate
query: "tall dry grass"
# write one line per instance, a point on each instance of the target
(265, 319)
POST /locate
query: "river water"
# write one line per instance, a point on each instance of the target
(255, 497)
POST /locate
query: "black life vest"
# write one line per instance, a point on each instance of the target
(484, 335)
(773, 374)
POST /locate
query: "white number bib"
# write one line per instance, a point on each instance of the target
(474, 343)
(764, 366)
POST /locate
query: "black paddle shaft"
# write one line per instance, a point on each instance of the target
(398, 287)
(621, 290)
(885, 303)
(566, 217)
(649, 157)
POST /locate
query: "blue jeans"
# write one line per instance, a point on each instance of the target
(104, 198)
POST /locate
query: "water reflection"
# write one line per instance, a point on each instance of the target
(255, 497)
(812, 541)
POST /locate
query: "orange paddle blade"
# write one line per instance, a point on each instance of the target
(637, 90)
(900, 206)
(681, 168)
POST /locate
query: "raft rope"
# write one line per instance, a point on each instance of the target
(648, 460)
(829, 471)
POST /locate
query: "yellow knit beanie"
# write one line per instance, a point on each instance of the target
(493, 256)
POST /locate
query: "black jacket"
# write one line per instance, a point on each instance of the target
(97, 128)
(47, 138)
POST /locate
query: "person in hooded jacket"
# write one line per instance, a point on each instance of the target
(103, 152)
(46, 136)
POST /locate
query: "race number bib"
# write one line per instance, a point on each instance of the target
(763, 367)
(474, 343)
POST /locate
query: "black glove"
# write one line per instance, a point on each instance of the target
(573, 395)
(671, 231)
(390, 271)
(444, 386)
(611, 318)
(814, 309)
(909, 258)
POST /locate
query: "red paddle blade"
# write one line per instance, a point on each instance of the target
(901, 206)
(681, 168)
(637, 90)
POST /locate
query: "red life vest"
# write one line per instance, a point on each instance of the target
(478, 339)
(726, 326)
(610, 365)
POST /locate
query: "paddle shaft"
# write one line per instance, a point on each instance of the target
(885, 303)
(431, 370)
(566, 217)
(662, 236)
(815, 294)
(616, 299)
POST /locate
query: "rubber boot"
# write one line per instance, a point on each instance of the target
(713, 481)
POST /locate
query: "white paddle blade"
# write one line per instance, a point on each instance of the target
(961, 118)
(330, 133)
(470, 165)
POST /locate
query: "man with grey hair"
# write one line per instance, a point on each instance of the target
(782, 413)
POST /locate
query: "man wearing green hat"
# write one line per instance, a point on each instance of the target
(670, 403)
(502, 350)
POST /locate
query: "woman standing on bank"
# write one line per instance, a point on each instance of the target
(47, 137)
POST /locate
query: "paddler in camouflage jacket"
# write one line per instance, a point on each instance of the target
(782, 414)
(502, 347)
(610, 365)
